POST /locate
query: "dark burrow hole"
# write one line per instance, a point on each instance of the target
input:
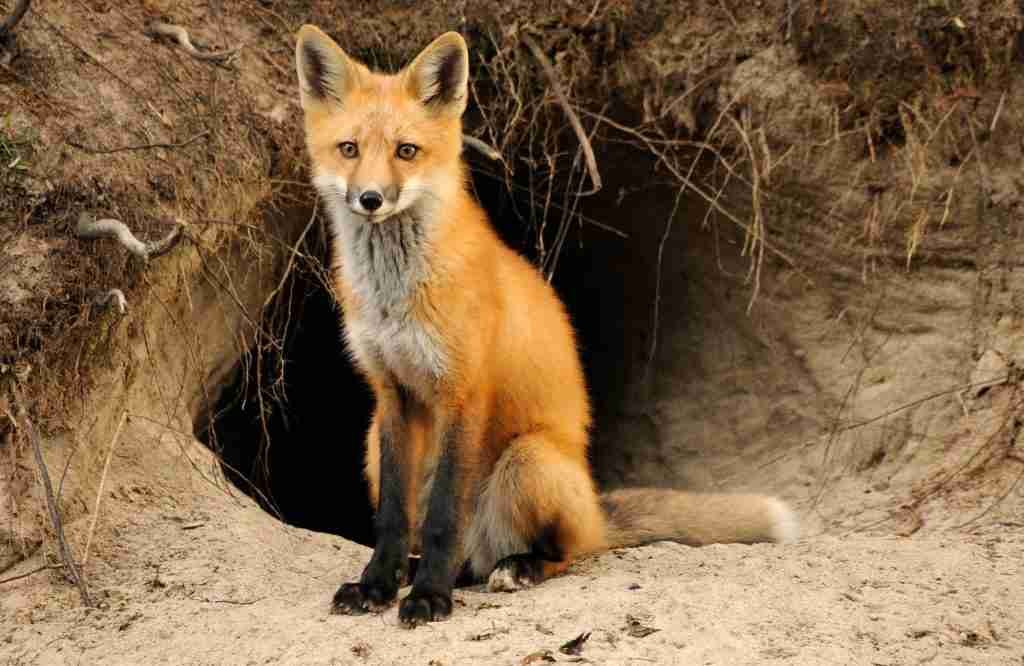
(308, 469)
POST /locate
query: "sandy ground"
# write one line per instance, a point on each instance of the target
(211, 579)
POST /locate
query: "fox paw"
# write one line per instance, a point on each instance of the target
(515, 572)
(422, 607)
(359, 598)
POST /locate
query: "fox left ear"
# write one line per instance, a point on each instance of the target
(439, 75)
(326, 74)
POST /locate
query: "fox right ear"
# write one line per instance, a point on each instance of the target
(438, 76)
(325, 73)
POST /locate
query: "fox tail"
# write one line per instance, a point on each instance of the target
(637, 516)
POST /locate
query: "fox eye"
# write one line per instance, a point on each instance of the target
(348, 149)
(407, 151)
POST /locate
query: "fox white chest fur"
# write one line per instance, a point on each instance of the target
(385, 264)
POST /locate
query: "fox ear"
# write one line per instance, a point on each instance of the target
(439, 75)
(325, 73)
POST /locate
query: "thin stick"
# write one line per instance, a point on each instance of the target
(45, 567)
(999, 110)
(9, 23)
(141, 146)
(99, 491)
(481, 147)
(574, 120)
(180, 35)
(51, 504)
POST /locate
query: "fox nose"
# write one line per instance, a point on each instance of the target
(371, 200)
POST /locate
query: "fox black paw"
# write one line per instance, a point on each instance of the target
(359, 598)
(422, 607)
(515, 572)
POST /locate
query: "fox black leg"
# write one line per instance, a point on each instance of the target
(388, 568)
(465, 577)
(527, 569)
(431, 596)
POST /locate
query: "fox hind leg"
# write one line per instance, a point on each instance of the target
(537, 512)
(544, 560)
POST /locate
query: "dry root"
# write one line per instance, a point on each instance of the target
(115, 296)
(574, 120)
(108, 228)
(180, 35)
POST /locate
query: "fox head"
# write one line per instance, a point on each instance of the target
(380, 143)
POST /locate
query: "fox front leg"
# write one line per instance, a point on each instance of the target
(388, 568)
(431, 596)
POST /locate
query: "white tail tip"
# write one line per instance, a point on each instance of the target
(785, 526)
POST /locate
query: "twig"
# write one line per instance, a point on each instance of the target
(732, 17)
(115, 295)
(180, 35)
(108, 228)
(140, 146)
(99, 491)
(18, 13)
(45, 567)
(481, 147)
(994, 504)
(51, 504)
(574, 120)
(995, 116)
(521, 188)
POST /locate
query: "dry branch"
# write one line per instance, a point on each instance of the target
(31, 572)
(481, 147)
(109, 228)
(140, 146)
(180, 35)
(51, 503)
(574, 120)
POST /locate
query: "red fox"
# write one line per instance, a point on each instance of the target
(477, 451)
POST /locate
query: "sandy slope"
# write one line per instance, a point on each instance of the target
(212, 579)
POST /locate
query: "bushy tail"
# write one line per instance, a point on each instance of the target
(636, 516)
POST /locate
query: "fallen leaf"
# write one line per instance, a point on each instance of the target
(575, 646)
(637, 629)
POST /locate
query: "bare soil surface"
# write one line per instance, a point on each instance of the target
(201, 578)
